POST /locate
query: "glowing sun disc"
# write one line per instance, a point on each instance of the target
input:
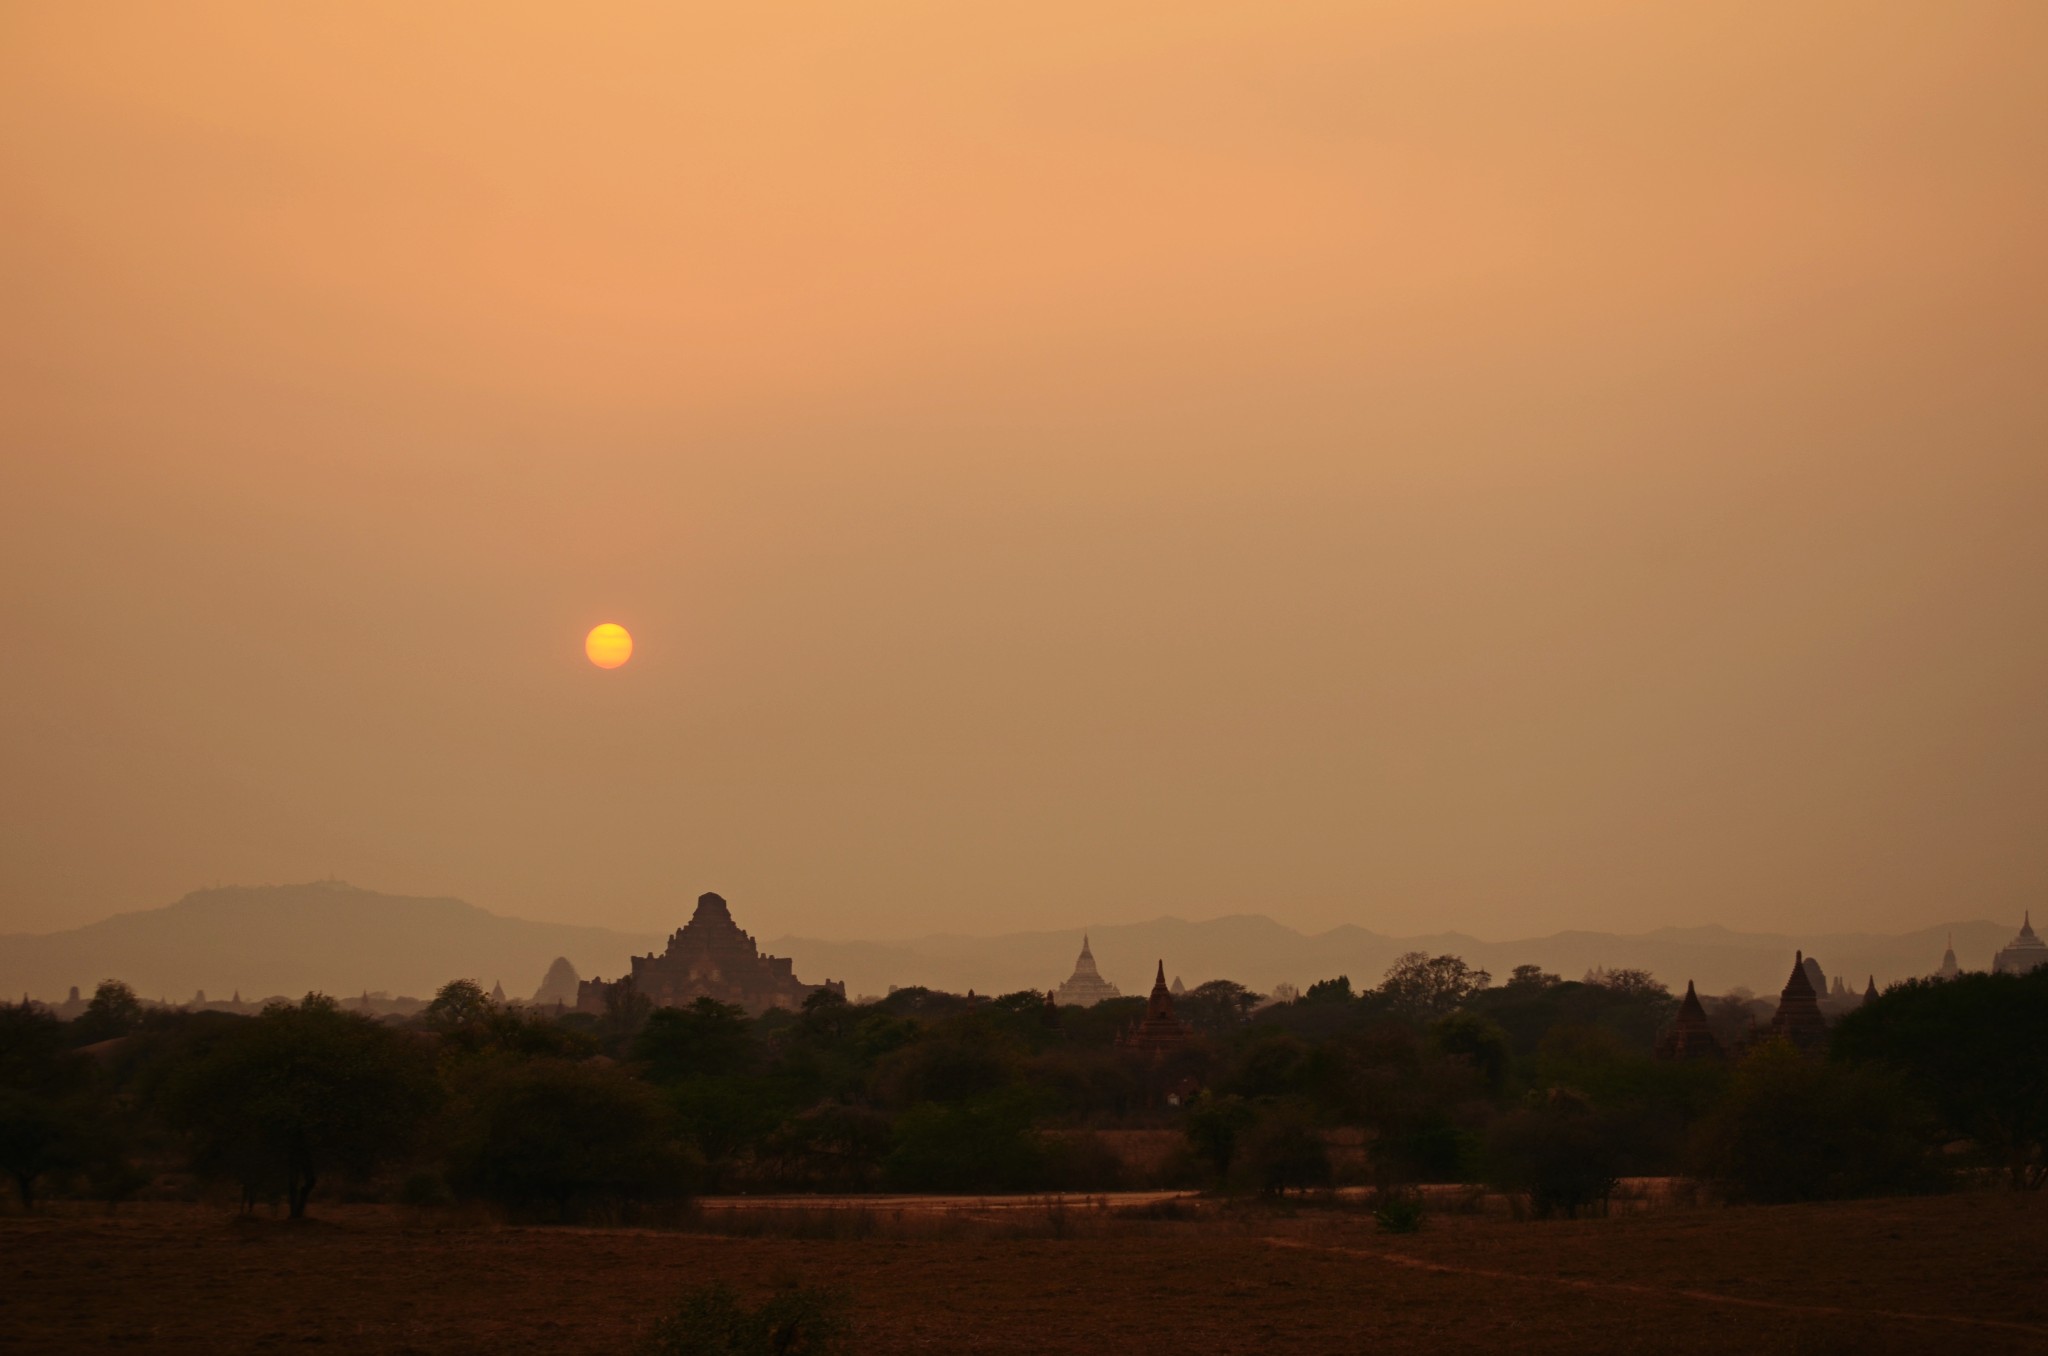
(608, 645)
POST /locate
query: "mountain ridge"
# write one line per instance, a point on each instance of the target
(342, 939)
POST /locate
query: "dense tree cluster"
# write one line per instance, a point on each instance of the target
(1539, 1085)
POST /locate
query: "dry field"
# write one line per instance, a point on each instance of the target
(1955, 1273)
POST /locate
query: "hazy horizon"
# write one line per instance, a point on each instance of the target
(1417, 467)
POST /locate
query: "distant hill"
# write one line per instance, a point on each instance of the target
(292, 939)
(339, 939)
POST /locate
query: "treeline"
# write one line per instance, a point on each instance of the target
(1540, 1086)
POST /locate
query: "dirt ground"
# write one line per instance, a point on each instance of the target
(1962, 1272)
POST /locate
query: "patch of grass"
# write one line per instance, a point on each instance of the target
(712, 1320)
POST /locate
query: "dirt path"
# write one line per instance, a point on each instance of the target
(1656, 1291)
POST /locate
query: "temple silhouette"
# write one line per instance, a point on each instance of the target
(709, 957)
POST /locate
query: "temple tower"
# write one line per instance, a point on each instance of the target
(1690, 1037)
(1799, 1018)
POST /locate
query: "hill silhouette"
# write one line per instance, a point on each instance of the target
(342, 939)
(293, 939)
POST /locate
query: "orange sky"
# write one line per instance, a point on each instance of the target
(1350, 462)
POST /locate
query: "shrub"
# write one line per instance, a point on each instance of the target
(1399, 1213)
(560, 1138)
(712, 1321)
(1283, 1150)
(1560, 1152)
(982, 1146)
(1794, 1129)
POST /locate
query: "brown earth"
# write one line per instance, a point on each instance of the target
(1961, 1272)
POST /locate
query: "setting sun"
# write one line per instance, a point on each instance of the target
(608, 645)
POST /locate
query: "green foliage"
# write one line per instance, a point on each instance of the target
(1976, 1047)
(1478, 1041)
(1213, 1125)
(708, 1039)
(287, 1097)
(831, 1147)
(988, 1145)
(113, 1011)
(713, 1321)
(1792, 1128)
(39, 1135)
(1283, 1150)
(1420, 987)
(556, 1138)
(1220, 1005)
(1560, 1152)
(1336, 990)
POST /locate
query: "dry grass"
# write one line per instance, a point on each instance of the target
(1224, 1277)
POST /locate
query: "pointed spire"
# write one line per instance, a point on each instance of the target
(1084, 944)
(1161, 980)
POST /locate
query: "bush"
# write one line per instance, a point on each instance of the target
(1399, 1213)
(1283, 1150)
(284, 1099)
(983, 1146)
(711, 1321)
(1795, 1129)
(1977, 1048)
(561, 1138)
(1561, 1153)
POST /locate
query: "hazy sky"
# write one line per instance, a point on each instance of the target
(1496, 466)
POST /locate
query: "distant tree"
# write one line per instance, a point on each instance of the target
(708, 1039)
(1213, 1126)
(1478, 1041)
(1422, 987)
(984, 1145)
(551, 1136)
(1217, 1006)
(832, 1147)
(1282, 1151)
(1634, 983)
(1793, 1128)
(626, 1010)
(38, 1137)
(301, 1091)
(1336, 990)
(113, 1011)
(1530, 977)
(1560, 1152)
(459, 1004)
(1976, 1047)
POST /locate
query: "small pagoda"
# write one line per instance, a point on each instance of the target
(1690, 1037)
(1159, 1031)
(1799, 1019)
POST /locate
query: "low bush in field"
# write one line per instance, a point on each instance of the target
(712, 1320)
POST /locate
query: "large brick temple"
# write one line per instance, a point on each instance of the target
(709, 957)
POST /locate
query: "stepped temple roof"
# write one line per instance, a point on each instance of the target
(710, 957)
(1086, 986)
(2023, 953)
(1690, 1037)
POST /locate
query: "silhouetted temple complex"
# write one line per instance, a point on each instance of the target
(710, 957)
(1690, 1037)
